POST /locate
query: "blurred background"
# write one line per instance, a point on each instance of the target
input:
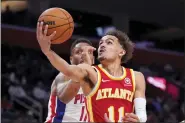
(155, 26)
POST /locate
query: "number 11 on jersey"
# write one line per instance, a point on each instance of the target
(83, 116)
(112, 113)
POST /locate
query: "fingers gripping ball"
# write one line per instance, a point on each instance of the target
(58, 20)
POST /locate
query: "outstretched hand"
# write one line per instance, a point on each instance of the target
(87, 50)
(43, 39)
(129, 117)
(106, 118)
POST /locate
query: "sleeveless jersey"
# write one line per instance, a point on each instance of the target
(74, 111)
(111, 95)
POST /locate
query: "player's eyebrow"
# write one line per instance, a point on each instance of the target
(110, 39)
(107, 39)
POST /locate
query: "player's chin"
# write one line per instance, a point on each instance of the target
(81, 62)
(101, 58)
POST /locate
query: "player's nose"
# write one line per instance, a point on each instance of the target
(102, 47)
(102, 44)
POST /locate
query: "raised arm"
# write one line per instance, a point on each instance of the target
(65, 89)
(75, 72)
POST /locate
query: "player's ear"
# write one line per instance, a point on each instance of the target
(71, 59)
(122, 53)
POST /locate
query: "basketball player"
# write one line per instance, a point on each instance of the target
(112, 90)
(66, 103)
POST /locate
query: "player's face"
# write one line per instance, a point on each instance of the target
(109, 48)
(76, 57)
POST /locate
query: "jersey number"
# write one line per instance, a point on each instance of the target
(83, 116)
(111, 113)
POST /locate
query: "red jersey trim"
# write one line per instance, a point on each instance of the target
(133, 79)
(113, 77)
(52, 109)
(133, 83)
(88, 97)
(96, 87)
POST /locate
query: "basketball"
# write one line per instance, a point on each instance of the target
(58, 20)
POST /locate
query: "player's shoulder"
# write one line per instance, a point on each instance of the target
(139, 78)
(61, 78)
(138, 74)
(60, 75)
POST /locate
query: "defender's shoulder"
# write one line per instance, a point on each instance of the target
(61, 78)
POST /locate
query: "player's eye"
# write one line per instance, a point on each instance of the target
(90, 52)
(78, 52)
(109, 42)
(100, 43)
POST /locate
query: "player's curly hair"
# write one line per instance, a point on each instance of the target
(80, 40)
(125, 42)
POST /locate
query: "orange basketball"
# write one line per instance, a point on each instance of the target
(58, 20)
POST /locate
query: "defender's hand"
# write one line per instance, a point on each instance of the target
(106, 118)
(130, 117)
(87, 50)
(43, 39)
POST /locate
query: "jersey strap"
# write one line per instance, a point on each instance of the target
(105, 73)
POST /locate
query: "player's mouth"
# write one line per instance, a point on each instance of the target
(102, 51)
(81, 61)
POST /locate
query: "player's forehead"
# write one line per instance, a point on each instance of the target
(81, 44)
(109, 37)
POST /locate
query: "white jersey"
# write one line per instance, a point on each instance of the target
(74, 111)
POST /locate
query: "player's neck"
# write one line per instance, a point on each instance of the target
(114, 69)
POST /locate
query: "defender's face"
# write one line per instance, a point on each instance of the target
(76, 56)
(109, 48)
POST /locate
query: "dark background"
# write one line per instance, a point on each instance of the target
(155, 26)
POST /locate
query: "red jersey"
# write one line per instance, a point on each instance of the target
(111, 95)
